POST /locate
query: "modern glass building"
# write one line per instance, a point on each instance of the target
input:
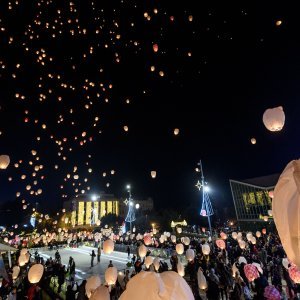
(251, 198)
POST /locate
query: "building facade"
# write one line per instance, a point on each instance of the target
(251, 198)
(88, 209)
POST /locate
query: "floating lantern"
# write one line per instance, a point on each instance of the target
(253, 141)
(202, 283)
(258, 234)
(111, 275)
(180, 249)
(35, 273)
(274, 118)
(108, 246)
(251, 272)
(4, 162)
(16, 272)
(186, 241)
(100, 292)
(271, 293)
(153, 174)
(294, 274)
(92, 284)
(220, 244)
(179, 230)
(205, 249)
(156, 263)
(190, 254)
(180, 269)
(176, 131)
(142, 251)
(234, 235)
(148, 261)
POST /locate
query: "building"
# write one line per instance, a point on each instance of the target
(251, 198)
(88, 209)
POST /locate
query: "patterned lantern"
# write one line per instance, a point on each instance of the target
(251, 272)
(179, 248)
(294, 274)
(35, 273)
(147, 240)
(286, 209)
(274, 118)
(108, 246)
(271, 293)
(220, 244)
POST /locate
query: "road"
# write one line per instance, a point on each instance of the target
(82, 259)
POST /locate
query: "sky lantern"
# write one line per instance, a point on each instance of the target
(190, 254)
(153, 174)
(111, 275)
(156, 263)
(22, 260)
(147, 240)
(180, 269)
(205, 249)
(258, 234)
(202, 283)
(234, 235)
(155, 48)
(148, 261)
(92, 284)
(186, 240)
(142, 251)
(176, 131)
(108, 246)
(16, 272)
(274, 118)
(294, 274)
(278, 22)
(4, 162)
(179, 249)
(220, 244)
(253, 141)
(251, 272)
(101, 292)
(242, 244)
(35, 273)
(125, 128)
(286, 208)
(271, 293)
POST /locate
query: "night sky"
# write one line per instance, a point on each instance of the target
(73, 74)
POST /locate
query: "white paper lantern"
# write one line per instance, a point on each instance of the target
(35, 273)
(242, 244)
(180, 269)
(202, 283)
(179, 230)
(142, 251)
(270, 213)
(173, 238)
(108, 246)
(234, 270)
(274, 118)
(92, 284)
(156, 263)
(4, 161)
(258, 234)
(179, 248)
(23, 251)
(111, 275)
(22, 260)
(153, 174)
(101, 293)
(286, 210)
(205, 249)
(190, 254)
(253, 240)
(16, 272)
(148, 261)
(234, 235)
(186, 241)
(249, 236)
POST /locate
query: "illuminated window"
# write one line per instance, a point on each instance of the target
(88, 213)
(80, 213)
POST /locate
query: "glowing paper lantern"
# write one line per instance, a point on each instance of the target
(142, 251)
(258, 234)
(4, 161)
(249, 236)
(108, 246)
(173, 238)
(202, 283)
(92, 284)
(179, 230)
(22, 260)
(148, 261)
(190, 254)
(266, 218)
(234, 235)
(271, 293)
(176, 131)
(111, 275)
(242, 244)
(251, 272)
(270, 213)
(153, 174)
(242, 259)
(264, 231)
(253, 240)
(23, 251)
(186, 241)
(156, 263)
(101, 293)
(179, 249)
(220, 244)
(223, 235)
(234, 270)
(286, 208)
(35, 273)
(294, 274)
(205, 249)
(155, 47)
(180, 269)
(274, 118)
(16, 272)
(253, 141)
(147, 240)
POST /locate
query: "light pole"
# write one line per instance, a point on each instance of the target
(206, 208)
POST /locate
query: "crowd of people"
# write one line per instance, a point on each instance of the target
(223, 270)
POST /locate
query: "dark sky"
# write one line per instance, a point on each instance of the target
(223, 65)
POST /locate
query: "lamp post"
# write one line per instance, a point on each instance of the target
(206, 208)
